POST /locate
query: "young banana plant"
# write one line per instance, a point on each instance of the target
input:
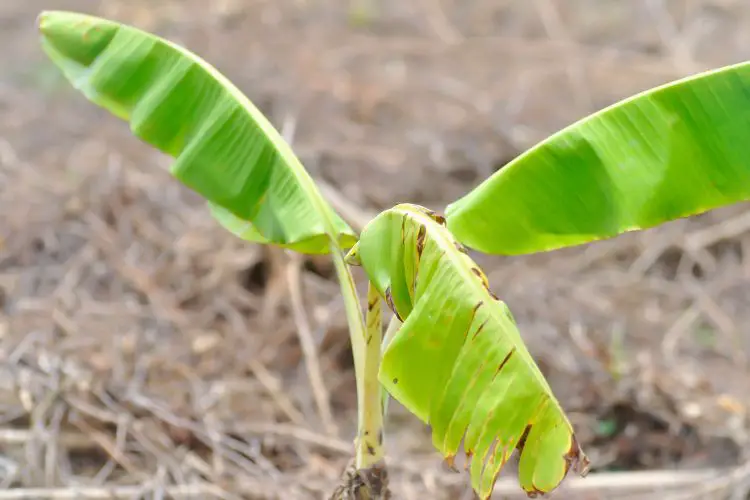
(452, 354)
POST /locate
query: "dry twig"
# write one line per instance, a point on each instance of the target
(309, 349)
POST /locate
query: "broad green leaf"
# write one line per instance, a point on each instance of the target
(224, 148)
(458, 361)
(671, 152)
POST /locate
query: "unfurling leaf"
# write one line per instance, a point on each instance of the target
(458, 361)
(673, 151)
(224, 148)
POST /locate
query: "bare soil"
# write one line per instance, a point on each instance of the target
(145, 353)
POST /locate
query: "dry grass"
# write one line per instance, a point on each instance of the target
(144, 353)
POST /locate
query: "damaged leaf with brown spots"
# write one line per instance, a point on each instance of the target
(459, 359)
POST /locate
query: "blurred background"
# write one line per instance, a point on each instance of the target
(146, 353)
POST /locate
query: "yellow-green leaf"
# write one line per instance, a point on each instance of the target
(458, 362)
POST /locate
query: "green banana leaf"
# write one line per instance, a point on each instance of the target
(458, 361)
(671, 152)
(224, 148)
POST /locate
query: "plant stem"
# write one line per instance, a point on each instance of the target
(358, 335)
(370, 437)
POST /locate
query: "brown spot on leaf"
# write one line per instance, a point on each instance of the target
(479, 330)
(420, 239)
(505, 360)
(479, 274)
(371, 305)
(395, 381)
(370, 449)
(369, 339)
(436, 217)
(473, 315)
(389, 301)
(460, 247)
(522, 440)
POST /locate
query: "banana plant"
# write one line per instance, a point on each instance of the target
(452, 353)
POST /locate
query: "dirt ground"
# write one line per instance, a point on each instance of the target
(145, 353)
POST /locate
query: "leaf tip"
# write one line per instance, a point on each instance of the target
(74, 36)
(576, 459)
(47, 21)
(450, 462)
(42, 19)
(352, 258)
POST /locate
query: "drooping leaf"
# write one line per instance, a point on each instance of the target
(458, 361)
(674, 151)
(224, 148)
